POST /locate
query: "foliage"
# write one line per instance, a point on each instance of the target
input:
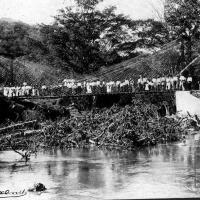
(87, 38)
(183, 18)
(13, 38)
(153, 33)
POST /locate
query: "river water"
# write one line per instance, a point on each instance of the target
(164, 171)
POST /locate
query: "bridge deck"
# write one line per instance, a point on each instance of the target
(97, 94)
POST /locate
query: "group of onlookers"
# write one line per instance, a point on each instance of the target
(89, 87)
(70, 86)
(165, 83)
(17, 91)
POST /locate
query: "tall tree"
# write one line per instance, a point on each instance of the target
(87, 38)
(183, 18)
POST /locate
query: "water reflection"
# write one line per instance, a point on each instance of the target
(164, 171)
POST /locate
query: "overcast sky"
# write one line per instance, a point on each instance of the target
(41, 11)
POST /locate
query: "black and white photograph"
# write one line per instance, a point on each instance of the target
(99, 99)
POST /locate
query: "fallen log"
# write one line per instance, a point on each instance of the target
(21, 134)
(17, 126)
(33, 132)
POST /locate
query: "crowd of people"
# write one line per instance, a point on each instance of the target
(165, 83)
(24, 90)
(70, 86)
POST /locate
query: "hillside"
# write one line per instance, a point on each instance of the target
(34, 73)
(157, 64)
(30, 72)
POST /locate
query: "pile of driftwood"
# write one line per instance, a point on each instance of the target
(128, 127)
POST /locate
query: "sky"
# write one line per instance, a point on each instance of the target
(42, 11)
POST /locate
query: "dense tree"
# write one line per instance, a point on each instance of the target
(183, 18)
(13, 42)
(13, 37)
(87, 38)
(153, 34)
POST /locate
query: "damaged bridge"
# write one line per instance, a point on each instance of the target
(165, 100)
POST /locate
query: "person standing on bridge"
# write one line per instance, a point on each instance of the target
(98, 83)
(144, 82)
(88, 88)
(147, 86)
(154, 87)
(108, 87)
(151, 85)
(79, 87)
(84, 87)
(132, 87)
(159, 83)
(118, 85)
(189, 82)
(5, 91)
(182, 82)
(44, 88)
(126, 82)
(140, 83)
(17, 91)
(24, 89)
(163, 83)
(175, 82)
(168, 83)
(65, 82)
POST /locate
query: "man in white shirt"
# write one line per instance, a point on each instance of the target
(168, 83)
(65, 82)
(144, 82)
(131, 83)
(88, 88)
(154, 84)
(118, 85)
(140, 83)
(182, 82)
(163, 83)
(108, 87)
(158, 83)
(147, 86)
(5, 91)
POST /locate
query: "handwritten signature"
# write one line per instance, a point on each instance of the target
(8, 193)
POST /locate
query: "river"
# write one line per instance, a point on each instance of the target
(164, 171)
